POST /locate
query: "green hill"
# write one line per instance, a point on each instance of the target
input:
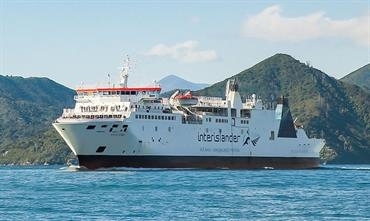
(360, 77)
(328, 108)
(28, 106)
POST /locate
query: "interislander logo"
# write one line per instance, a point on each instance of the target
(253, 141)
(218, 137)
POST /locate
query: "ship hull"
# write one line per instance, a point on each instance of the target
(203, 162)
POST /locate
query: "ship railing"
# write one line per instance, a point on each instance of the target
(209, 98)
(107, 116)
(99, 96)
(72, 114)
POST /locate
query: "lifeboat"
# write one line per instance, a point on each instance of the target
(186, 99)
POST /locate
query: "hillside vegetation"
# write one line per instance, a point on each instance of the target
(28, 106)
(328, 108)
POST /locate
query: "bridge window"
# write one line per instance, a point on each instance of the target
(90, 127)
(245, 113)
(233, 112)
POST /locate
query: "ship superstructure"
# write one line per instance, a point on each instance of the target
(134, 127)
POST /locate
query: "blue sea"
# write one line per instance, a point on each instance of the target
(337, 192)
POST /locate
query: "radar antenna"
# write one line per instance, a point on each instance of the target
(124, 72)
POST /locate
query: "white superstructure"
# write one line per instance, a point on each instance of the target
(133, 127)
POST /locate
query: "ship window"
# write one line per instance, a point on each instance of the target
(220, 130)
(272, 136)
(136, 116)
(101, 149)
(162, 117)
(90, 127)
(165, 117)
(233, 112)
(247, 121)
(115, 125)
(104, 126)
(245, 113)
(156, 117)
(156, 128)
(145, 116)
(210, 119)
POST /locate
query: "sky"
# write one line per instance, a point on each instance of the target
(82, 42)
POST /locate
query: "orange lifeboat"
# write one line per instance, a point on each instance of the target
(186, 99)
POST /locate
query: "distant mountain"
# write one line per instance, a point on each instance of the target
(360, 77)
(172, 82)
(28, 106)
(328, 108)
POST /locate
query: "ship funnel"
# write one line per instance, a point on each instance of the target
(233, 95)
(286, 128)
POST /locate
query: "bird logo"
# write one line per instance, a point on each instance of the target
(249, 140)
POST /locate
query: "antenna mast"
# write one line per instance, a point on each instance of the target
(124, 72)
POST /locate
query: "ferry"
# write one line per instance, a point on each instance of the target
(121, 126)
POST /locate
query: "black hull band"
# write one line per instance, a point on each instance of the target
(103, 161)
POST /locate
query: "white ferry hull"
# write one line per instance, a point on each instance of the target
(185, 146)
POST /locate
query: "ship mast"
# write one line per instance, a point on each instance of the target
(124, 72)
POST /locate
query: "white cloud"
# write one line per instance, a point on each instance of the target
(195, 19)
(186, 51)
(270, 24)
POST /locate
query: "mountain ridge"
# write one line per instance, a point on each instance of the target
(359, 77)
(172, 82)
